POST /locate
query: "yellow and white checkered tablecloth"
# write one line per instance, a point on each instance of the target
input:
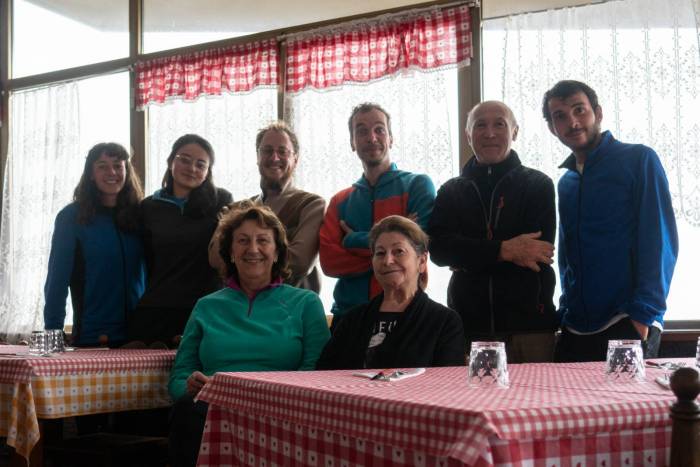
(78, 383)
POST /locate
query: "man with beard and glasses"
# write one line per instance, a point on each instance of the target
(301, 212)
(383, 190)
(618, 242)
(494, 226)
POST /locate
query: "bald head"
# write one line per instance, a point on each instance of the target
(491, 129)
(482, 106)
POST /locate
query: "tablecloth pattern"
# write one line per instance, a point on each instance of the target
(76, 383)
(557, 413)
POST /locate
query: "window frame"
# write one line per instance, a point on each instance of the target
(469, 78)
(469, 82)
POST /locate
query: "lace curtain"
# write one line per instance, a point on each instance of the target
(42, 170)
(642, 58)
(230, 123)
(423, 109)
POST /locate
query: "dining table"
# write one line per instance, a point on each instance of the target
(73, 383)
(551, 414)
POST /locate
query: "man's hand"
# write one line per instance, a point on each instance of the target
(346, 228)
(526, 251)
(642, 329)
(195, 382)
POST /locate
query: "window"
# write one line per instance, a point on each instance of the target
(63, 114)
(228, 122)
(175, 23)
(52, 130)
(425, 134)
(67, 34)
(642, 59)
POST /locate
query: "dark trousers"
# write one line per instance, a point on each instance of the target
(186, 427)
(572, 347)
(155, 324)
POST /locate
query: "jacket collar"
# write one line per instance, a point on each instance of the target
(232, 283)
(384, 178)
(163, 196)
(473, 169)
(273, 194)
(592, 157)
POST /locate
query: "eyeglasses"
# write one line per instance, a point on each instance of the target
(281, 151)
(198, 164)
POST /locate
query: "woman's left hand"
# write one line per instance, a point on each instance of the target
(195, 382)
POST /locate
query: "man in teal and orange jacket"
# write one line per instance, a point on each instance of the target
(383, 190)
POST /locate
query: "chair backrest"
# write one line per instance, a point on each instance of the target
(685, 412)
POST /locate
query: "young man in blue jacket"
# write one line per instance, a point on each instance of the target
(618, 242)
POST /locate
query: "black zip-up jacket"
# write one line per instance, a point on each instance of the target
(473, 214)
(427, 334)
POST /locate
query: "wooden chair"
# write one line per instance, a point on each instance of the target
(685, 436)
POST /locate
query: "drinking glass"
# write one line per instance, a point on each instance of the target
(487, 365)
(56, 340)
(625, 361)
(38, 343)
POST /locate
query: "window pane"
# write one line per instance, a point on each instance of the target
(228, 122)
(62, 34)
(178, 23)
(425, 140)
(643, 61)
(45, 161)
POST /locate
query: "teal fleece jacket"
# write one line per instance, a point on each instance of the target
(282, 328)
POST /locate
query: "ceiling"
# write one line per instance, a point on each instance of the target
(214, 15)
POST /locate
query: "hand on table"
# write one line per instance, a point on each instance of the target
(195, 382)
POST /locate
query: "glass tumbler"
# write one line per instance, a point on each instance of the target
(625, 361)
(487, 365)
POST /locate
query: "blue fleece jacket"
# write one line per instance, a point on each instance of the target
(104, 269)
(618, 242)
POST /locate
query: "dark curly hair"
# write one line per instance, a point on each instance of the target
(203, 199)
(87, 195)
(565, 89)
(240, 212)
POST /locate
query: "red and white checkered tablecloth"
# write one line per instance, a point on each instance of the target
(550, 412)
(76, 383)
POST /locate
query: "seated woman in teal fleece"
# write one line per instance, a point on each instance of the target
(255, 323)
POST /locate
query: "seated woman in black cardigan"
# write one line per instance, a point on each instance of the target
(401, 327)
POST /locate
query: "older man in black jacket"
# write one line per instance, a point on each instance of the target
(494, 227)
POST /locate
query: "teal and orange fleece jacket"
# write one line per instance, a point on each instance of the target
(347, 257)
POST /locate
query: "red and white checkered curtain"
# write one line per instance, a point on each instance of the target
(239, 68)
(365, 50)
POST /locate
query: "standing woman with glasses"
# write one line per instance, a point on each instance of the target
(178, 221)
(96, 251)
